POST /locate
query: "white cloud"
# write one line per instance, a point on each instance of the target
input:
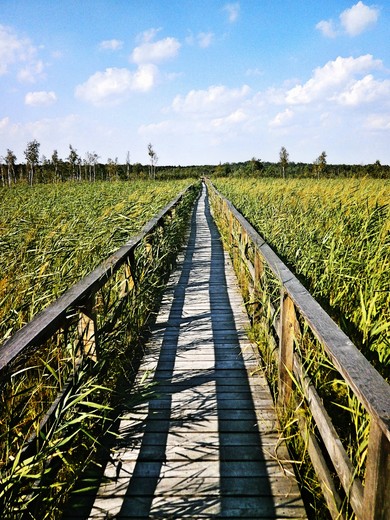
(353, 21)
(236, 117)
(111, 45)
(145, 78)
(40, 98)
(18, 51)
(358, 18)
(205, 39)
(379, 122)
(112, 85)
(202, 39)
(31, 72)
(365, 90)
(148, 35)
(233, 10)
(155, 52)
(327, 28)
(328, 78)
(214, 99)
(4, 123)
(282, 118)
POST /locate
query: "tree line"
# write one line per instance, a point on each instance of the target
(41, 169)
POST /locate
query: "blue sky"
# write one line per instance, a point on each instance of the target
(205, 81)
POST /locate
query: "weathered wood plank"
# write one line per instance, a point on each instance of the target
(204, 442)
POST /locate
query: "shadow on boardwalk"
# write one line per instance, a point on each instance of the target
(194, 449)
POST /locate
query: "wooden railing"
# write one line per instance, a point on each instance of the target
(77, 308)
(297, 307)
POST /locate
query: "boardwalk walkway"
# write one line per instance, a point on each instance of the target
(204, 444)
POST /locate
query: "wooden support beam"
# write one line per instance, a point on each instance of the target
(286, 348)
(87, 331)
(376, 505)
(127, 284)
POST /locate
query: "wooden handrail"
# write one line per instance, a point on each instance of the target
(48, 321)
(368, 385)
(371, 502)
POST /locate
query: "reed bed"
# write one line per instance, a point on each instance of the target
(95, 220)
(335, 235)
(53, 235)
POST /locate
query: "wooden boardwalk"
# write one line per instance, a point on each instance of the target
(204, 444)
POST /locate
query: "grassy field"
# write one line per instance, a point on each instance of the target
(335, 235)
(53, 235)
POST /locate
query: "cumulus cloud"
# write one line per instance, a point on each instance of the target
(112, 85)
(111, 45)
(202, 39)
(155, 52)
(214, 99)
(331, 76)
(358, 18)
(365, 90)
(282, 118)
(233, 10)
(19, 52)
(31, 72)
(345, 93)
(40, 98)
(353, 21)
(327, 28)
(236, 117)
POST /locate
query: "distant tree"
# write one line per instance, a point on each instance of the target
(55, 162)
(31, 154)
(79, 171)
(153, 161)
(95, 159)
(219, 170)
(255, 165)
(284, 159)
(2, 171)
(10, 161)
(137, 169)
(112, 167)
(46, 173)
(73, 160)
(319, 164)
(128, 165)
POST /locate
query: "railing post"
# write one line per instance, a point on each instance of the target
(286, 347)
(87, 330)
(127, 284)
(257, 293)
(242, 254)
(376, 504)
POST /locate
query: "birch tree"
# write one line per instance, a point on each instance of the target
(319, 164)
(31, 154)
(284, 158)
(10, 161)
(153, 161)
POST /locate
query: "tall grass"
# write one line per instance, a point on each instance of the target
(37, 485)
(335, 235)
(53, 235)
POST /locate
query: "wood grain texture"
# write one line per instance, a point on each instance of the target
(204, 441)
